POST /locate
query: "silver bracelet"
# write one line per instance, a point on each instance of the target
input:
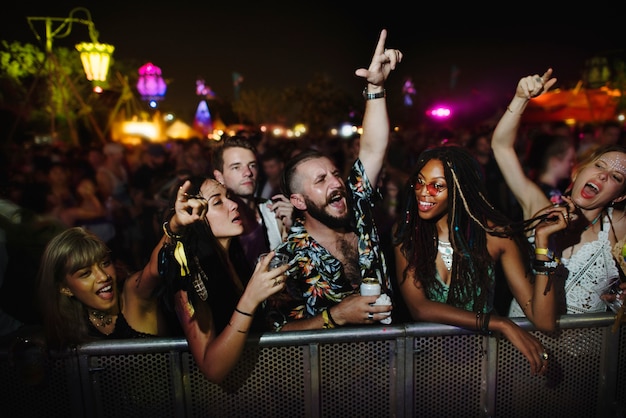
(371, 96)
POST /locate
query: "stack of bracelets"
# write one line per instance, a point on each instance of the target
(546, 268)
(168, 232)
(482, 323)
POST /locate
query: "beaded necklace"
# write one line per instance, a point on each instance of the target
(446, 251)
(100, 319)
(592, 223)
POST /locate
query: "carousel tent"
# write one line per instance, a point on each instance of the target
(579, 104)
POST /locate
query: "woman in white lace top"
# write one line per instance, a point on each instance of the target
(586, 247)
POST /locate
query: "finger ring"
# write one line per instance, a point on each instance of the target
(539, 80)
(370, 316)
(544, 355)
(276, 282)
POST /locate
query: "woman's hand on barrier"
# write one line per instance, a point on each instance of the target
(525, 342)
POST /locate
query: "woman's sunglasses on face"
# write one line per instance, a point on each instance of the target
(432, 189)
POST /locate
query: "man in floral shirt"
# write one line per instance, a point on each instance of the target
(334, 243)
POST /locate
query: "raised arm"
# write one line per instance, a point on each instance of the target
(375, 135)
(139, 289)
(527, 193)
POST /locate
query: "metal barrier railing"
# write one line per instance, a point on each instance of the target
(401, 370)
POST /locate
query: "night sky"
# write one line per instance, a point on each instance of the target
(275, 44)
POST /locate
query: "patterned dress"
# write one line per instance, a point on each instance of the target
(317, 279)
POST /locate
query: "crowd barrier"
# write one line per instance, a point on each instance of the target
(400, 370)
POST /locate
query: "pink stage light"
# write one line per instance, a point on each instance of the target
(439, 112)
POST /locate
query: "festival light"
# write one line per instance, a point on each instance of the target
(150, 84)
(440, 112)
(96, 59)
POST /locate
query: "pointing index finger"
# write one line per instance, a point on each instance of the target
(380, 47)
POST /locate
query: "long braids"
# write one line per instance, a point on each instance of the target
(470, 218)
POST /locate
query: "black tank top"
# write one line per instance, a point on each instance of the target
(122, 331)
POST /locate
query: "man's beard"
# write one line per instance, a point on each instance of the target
(318, 212)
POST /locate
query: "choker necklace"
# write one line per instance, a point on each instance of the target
(446, 251)
(592, 223)
(100, 319)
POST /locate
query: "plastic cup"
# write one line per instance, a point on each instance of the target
(276, 261)
(608, 292)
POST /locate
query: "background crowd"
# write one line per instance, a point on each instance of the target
(121, 192)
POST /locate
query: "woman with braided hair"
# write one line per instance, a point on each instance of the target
(447, 242)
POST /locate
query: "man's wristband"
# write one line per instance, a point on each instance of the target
(328, 324)
(331, 319)
(371, 96)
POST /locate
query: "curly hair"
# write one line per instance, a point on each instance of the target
(470, 218)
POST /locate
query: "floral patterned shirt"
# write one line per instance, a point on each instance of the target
(317, 279)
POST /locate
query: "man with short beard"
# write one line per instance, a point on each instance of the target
(333, 244)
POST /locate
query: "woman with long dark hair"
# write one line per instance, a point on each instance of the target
(215, 292)
(447, 242)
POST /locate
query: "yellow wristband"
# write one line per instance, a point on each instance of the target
(545, 251)
(327, 322)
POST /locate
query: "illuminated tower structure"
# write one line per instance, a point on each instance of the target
(203, 122)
